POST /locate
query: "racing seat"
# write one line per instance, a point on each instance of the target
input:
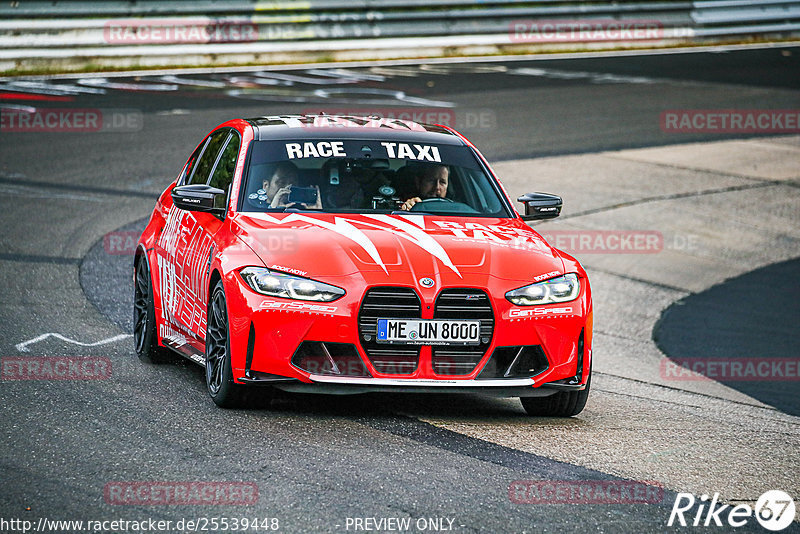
(404, 181)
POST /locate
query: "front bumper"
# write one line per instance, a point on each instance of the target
(332, 385)
(266, 337)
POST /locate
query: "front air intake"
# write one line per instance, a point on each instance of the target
(515, 362)
(332, 359)
(388, 303)
(463, 304)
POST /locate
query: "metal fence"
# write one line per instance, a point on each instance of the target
(148, 32)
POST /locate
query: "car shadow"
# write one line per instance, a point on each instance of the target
(751, 320)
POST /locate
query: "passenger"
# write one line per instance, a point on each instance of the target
(279, 186)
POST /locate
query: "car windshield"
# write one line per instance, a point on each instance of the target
(369, 176)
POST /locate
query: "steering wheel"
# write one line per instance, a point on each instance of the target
(430, 201)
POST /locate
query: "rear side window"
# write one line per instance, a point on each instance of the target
(208, 158)
(189, 168)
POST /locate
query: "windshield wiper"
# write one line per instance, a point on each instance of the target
(292, 209)
(301, 210)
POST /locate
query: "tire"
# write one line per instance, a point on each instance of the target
(219, 376)
(561, 404)
(145, 338)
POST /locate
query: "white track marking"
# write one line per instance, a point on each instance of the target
(593, 77)
(347, 73)
(23, 347)
(308, 80)
(44, 88)
(344, 74)
(104, 83)
(381, 63)
(18, 107)
(374, 96)
(177, 80)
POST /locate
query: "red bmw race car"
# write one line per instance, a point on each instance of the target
(342, 254)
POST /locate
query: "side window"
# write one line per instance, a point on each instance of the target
(226, 166)
(189, 167)
(206, 162)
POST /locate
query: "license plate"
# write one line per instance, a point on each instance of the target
(428, 332)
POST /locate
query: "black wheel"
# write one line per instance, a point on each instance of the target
(219, 376)
(562, 404)
(145, 338)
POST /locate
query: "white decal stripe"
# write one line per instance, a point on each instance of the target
(343, 227)
(418, 237)
(413, 232)
(418, 220)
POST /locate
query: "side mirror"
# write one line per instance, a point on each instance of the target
(540, 206)
(200, 197)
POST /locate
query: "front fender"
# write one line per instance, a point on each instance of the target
(231, 256)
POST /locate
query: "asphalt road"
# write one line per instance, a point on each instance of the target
(315, 463)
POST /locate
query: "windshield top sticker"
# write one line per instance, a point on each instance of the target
(322, 149)
(335, 149)
(416, 152)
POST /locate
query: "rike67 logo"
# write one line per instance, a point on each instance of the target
(774, 510)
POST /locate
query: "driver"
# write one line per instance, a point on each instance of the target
(431, 182)
(279, 186)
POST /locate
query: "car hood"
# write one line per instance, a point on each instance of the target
(397, 249)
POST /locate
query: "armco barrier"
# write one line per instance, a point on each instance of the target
(36, 35)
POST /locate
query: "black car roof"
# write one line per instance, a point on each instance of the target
(280, 127)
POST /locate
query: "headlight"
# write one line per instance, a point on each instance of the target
(287, 286)
(561, 289)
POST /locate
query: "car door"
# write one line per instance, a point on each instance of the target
(185, 247)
